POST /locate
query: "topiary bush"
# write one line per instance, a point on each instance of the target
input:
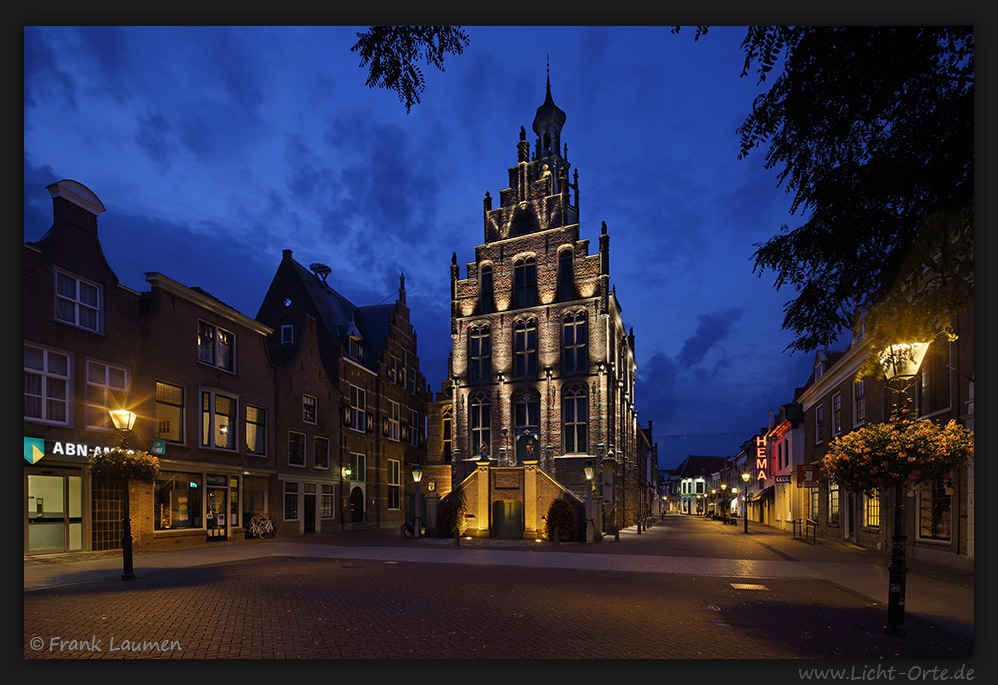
(450, 517)
(562, 514)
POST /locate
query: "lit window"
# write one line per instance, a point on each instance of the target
(448, 438)
(216, 346)
(308, 409)
(46, 385)
(256, 430)
(871, 509)
(169, 412)
(833, 503)
(77, 302)
(218, 420)
(178, 501)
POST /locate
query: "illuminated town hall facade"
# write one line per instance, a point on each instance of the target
(542, 368)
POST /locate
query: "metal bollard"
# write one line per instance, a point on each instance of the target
(457, 537)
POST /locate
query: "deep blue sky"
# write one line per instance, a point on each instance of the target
(215, 148)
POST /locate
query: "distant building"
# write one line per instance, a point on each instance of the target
(693, 477)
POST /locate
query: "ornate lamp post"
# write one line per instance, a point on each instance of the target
(900, 363)
(123, 421)
(588, 470)
(417, 475)
(745, 478)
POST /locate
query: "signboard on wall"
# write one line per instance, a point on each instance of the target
(807, 475)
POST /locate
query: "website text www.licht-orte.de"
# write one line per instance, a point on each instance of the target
(889, 673)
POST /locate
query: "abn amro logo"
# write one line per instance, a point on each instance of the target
(34, 449)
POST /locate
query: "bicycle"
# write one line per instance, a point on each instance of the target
(260, 527)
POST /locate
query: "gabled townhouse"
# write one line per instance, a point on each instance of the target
(81, 357)
(365, 368)
(785, 449)
(938, 516)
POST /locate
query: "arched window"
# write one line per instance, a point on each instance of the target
(527, 413)
(575, 416)
(575, 343)
(479, 354)
(525, 348)
(566, 276)
(486, 290)
(525, 282)
(481, 424)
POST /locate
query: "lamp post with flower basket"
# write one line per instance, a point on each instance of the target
(892, 456)
(124, 465)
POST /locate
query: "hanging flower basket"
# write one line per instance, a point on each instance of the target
(902, 452)
(119, 464)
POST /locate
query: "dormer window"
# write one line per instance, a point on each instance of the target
(356, 348)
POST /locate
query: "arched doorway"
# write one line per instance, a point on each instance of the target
(357, 505)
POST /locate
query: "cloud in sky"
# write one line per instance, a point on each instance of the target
(215, 148)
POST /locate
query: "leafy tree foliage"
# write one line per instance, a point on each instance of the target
(872, 131)
(392, 53)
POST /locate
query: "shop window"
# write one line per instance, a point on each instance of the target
(178, 501)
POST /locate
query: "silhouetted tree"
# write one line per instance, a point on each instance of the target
(872, 132)
(392, 53)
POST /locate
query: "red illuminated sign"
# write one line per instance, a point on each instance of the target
(761, 462)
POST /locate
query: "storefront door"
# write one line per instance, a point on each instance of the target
(216, 513)
(54, 513)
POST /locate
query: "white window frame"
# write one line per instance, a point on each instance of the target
(181, 407)
(358, 408)
(393, 416)
(215, 359)
(208, 420)
(836, 414)
(819, 419)
(858, 403)
(414, 428)
(309, 402)
(104, 393)
(291, 491)
(64, 302)
(358, 467)
(49, 381)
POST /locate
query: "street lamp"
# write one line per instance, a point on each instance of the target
(713, 499)
(724, 512)
(123, 421)
(588, 470)
(900, 363)
(734, 494)
(745, 477)
(417, 475)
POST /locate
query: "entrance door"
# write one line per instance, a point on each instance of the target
(507, 518)
(357, 505)
(216, 518)
(309, 513)
(54, 513)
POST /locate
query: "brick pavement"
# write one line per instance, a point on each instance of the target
(411, 607)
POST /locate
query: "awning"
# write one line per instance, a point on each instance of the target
(762, 494)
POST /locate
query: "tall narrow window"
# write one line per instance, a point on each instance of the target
(819, 424)
(576, 419)
(527, 413)
(308, 409)
(392, 421)
(77, 302)
(575, 340)
(256, 430)
(394, 482)
(358, 409)
(296, 448)
(836, 414)
(479, 354)
(320, 452)
(833, 503)
(169, 412)
(525, 282)
(290, 501)
(935, 386)
(414, 428)
(107, 388)
(858, 403)
(218, 421)
(448, 437)
(566, 276)
(486, 290)
(935, 510)
(46, 385)
(358, 467)
(481, 424)
(525, 349)
(871, 509)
